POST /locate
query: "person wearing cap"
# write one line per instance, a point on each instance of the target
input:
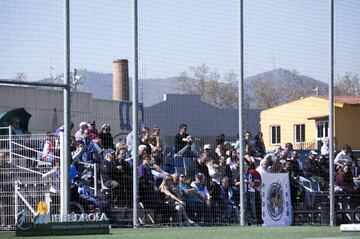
(207, 149)
(312, 165)
(82, 126)
(106, 137)
(61, 128)
(94, 135)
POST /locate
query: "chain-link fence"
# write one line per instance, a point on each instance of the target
(189, 68)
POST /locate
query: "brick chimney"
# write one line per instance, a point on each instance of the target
(120, 80)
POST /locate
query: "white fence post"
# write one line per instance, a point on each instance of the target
(16, 201)
(95, 180)
(10, 145)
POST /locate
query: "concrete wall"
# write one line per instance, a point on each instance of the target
(46, 107)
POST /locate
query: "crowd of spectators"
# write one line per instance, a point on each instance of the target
(207, 192)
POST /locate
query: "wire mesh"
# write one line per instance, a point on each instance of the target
(347, 92)
(188, 71)
(189, 172)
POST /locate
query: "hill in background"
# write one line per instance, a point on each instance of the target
(151, 91)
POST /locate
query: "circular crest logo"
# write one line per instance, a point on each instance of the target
(275, 201)
(21, 220)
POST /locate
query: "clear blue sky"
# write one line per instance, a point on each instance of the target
(177, 34)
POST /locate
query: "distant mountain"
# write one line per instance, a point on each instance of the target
(151, 91)
(278, 76)
(283, 78)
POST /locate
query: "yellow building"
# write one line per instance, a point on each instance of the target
(304, 122)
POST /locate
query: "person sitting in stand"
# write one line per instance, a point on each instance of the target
(214, 171)
(110, 172)
(174, 199)
(94, 135)
(225, 169)
(286, 153)
(344, 179)
(184, 145)
(82, 127)
(125, 174)
(199, 166)
(15, 127)
(148, 192)
(155, 139)
(228, 205)
(344, 156)
(312, 166)
(156, 161)
(250, 156)
(200, 185)
(325, 147)
(260, 145)
(49, 149)
(232, 158)
(61, 128)
(106, 137)
(220, 147)
(195, 204)
(207, 150)
(145, 139)
(263, 167)
(249, 143)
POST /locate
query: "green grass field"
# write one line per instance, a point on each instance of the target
(215, 232)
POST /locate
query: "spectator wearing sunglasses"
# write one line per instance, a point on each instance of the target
(106, 137)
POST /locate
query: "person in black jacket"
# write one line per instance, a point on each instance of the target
(110, 172)
(184, 145)
(106, 137)
(199, 166)
(125, 175)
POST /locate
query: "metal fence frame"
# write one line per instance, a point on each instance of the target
(66, 91)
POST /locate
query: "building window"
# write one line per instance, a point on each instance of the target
(299, 133)
(275, 134)
(322, 129)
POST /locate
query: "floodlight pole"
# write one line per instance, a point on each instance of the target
(64, 175)
(241, 126)
(331, 115)
(135, 113)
